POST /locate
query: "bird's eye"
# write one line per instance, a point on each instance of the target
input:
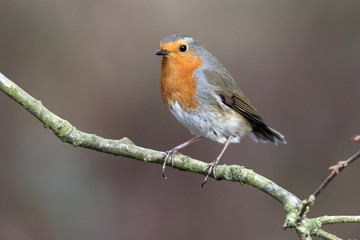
(183, 48)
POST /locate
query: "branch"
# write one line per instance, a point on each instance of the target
(125, 147)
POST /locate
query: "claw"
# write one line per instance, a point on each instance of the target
(203, 183)
(211, 168)
(172, 152)
(163, 173)
(163, 168)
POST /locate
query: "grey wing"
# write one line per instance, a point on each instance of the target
(232, 97)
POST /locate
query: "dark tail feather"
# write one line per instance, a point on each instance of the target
(265, 134)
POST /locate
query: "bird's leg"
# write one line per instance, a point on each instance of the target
(212, 166)
(175, 150)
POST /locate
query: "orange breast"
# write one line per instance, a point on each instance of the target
(176, 79)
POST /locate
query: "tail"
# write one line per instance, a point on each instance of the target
(264, 133)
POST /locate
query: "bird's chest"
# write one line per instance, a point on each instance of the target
(178, 84)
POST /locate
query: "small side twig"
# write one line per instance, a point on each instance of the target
(335, 170)
(324, 220)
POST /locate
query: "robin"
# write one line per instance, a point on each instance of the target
(203, 96)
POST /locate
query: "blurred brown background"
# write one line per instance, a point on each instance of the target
(93, 63)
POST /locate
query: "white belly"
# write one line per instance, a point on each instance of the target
(211, 124)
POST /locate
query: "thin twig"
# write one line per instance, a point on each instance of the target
(335, 170)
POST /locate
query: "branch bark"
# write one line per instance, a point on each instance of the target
(337, 219)
(125, 147)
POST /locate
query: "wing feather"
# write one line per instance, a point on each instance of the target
(232, 97)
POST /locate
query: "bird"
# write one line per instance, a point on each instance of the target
(203, 96)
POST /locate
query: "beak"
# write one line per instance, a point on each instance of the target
(162, 52)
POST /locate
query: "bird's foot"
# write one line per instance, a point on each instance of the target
(171, 153)
(211, 169)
